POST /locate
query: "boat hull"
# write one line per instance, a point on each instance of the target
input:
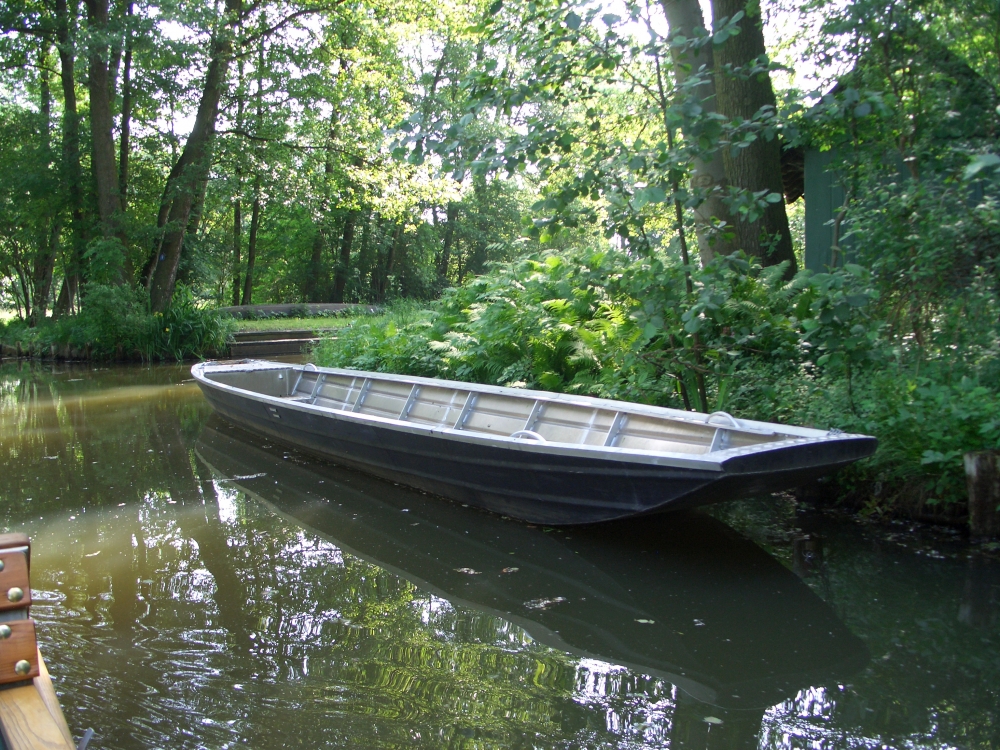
(536, 487)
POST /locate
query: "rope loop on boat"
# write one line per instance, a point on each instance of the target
(530, 434)
(733, 422)
(310, 364)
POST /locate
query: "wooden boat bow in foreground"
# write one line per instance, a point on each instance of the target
(543, 457)
(30, 716)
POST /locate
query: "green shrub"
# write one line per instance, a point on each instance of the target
(114, 323)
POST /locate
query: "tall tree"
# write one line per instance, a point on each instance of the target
(71, 167)
(255, 212)
(105, 168)
(125, 128)
(191, 169)
(50, 224)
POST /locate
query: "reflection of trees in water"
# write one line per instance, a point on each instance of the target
(82, 436)
(180, 606)
(928, 612)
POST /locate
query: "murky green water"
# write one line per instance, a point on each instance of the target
(199, 587)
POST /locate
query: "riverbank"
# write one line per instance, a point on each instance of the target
(115, 325)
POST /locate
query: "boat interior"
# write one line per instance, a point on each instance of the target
(507, 415)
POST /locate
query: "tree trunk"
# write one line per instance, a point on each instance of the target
(191, 169)
(126, 121)
(194, 222)
(708, 175)
(757, 167)
(45, 262)
(102, 138)
(72, 172)
(344, 264)
(252, 244)
(451, 216)
(49, 226)
(364, 257)
(255, 211)
(238, 203)
(477, 255)
(61, 305)
(237, 243)
(314, 285)
(389, 263)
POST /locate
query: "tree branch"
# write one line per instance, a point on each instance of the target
(287, 20)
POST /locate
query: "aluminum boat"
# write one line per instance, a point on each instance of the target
(542, 457)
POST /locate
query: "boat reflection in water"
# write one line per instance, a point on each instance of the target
(679, 597)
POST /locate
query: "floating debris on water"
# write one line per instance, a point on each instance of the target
(544, 603)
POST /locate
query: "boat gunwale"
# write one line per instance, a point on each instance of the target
(709, 461)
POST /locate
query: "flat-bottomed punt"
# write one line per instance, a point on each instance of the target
(546, 458)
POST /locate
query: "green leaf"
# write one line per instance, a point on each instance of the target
(655, 194)
(495, 8)
(693, 325)
(573, 21)
(980, 163)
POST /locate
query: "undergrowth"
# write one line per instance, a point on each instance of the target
(824, 349)
(115, 323)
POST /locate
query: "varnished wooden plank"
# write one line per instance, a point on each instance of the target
(43, 684)
(26, 722)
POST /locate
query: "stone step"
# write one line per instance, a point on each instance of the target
(244, 336)
(271, 348)
(295, 309)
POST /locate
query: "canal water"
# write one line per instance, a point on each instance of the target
(200, 587)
